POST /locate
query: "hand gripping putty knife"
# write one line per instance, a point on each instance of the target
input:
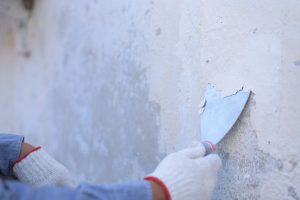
(219, 115)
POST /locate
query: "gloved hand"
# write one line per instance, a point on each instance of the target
(39, 168)
(187, 175)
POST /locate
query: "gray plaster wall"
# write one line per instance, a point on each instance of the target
(110, 87)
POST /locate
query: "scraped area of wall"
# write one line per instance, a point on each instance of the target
(116, 85)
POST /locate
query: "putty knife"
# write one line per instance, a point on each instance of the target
(219, 115)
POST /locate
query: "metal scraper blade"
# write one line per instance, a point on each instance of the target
(220, 113)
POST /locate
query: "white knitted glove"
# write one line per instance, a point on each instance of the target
(39, 168)
(187, 175)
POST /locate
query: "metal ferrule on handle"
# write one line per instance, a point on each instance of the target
(209, 147)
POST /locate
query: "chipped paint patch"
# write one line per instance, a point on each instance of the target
(245, 167)
(28, 4)
(297, 63)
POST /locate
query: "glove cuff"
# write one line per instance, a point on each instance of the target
(161, 184)
(177, 186)
(23, 157)
(39, 168)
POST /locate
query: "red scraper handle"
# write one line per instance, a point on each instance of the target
(209, 147)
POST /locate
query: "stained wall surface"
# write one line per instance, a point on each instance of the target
(110, 87)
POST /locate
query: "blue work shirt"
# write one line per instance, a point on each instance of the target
(10, 147)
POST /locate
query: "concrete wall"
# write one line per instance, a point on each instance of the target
(110, 87)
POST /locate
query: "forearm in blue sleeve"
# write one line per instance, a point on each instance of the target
(10, 148)
(136, 190)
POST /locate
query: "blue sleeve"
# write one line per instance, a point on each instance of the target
(10, 148)
(135, 190)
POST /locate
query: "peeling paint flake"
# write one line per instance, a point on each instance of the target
(202, 106)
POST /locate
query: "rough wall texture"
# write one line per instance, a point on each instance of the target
(110, 87)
